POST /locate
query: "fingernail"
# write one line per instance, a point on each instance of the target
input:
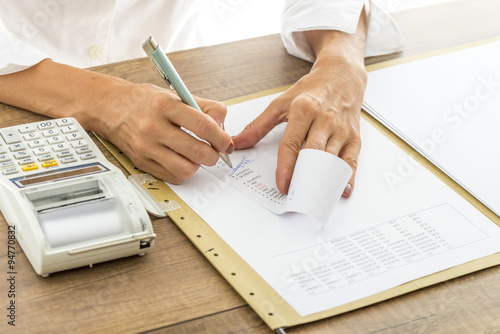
(347, 190)
(221, 125)
(230, 148)
(285, 186)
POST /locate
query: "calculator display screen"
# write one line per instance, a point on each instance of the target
(59, 174)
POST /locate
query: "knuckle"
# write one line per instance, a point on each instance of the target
(200, 153)
(352, 160)
(140, 147)
(341, 132)
(306, 105)
(293, 143)
(212, 159)
(145, 126)
(204, 125)
(356, 141)
(196, 153)
(186, 170)
(316, 146)
(220, 107)
(329, 120)
(159, 101)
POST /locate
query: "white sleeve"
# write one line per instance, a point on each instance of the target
(383, 36)
(16, 55)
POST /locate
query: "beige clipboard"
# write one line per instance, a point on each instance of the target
(266, 302)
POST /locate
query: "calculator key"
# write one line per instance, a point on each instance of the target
(46, 157)
(17, 147)
(7, 164)
(74, 136)
(64, 154)
(26, 128)
(55, 140)
(29, 167)
(41, 150)
(69, 129)
(60, 147)
(82, 150)
(87, 156)
(10, 136)
(36, 143)
(46, 125)
(9, 171)
(49, 163)
(68, 160)
(21, 155)
(50, 133)
(4, 157)
(3, 149)
(26, 161)
(79, 143)
(31, 136)
(64, 121)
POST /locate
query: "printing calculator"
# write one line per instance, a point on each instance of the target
(67, 205)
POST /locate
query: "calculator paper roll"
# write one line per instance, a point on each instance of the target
(80, 223)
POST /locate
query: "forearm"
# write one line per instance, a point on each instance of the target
(58, 90)
(143, 120)
(332, 45)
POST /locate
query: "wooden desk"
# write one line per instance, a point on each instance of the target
(174, 289)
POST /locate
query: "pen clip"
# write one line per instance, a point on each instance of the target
(149, 47)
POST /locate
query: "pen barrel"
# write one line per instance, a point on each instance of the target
(174, 78)
(167, 70)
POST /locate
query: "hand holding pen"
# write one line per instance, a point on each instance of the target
(169, 74)
(146, 123)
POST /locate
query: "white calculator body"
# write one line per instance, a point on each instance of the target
(68, 205)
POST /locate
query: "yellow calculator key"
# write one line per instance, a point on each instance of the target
(29, 167)
(49, 163)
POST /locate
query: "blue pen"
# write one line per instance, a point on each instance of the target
(169, 74)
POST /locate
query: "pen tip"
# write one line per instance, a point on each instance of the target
(226, 159)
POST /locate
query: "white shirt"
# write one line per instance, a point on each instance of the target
(94, 32)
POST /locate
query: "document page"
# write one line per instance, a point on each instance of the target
(384, 235)
(448, 108)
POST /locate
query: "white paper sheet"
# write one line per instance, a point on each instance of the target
(384, 235)
(448, 108)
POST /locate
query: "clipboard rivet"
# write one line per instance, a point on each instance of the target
(198, 236)
(234, 274)
(182, 218)
(271, 314)
(251, 293)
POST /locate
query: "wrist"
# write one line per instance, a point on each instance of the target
(341, 65)
(104, 104)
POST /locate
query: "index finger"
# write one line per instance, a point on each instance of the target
(273, 115)
(203, 126)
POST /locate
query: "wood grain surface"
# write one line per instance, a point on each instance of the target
(173, 289)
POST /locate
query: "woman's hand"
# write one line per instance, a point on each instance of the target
(142, 120)
(322, 109)
(145, 122)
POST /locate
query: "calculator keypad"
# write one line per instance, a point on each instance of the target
(43, 145)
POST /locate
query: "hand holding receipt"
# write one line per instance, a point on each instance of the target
(169, 74)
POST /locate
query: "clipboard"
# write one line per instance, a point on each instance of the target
(259, 295)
